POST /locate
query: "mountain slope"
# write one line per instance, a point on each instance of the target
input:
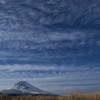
(23, 87)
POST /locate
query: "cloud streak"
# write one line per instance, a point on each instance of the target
(21, 71)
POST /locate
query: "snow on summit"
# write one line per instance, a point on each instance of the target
(23, 87)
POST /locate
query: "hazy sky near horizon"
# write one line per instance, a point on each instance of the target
(53, 44)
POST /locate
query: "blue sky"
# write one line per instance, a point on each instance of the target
(52, 44)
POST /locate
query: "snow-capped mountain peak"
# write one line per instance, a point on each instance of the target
(23, 87)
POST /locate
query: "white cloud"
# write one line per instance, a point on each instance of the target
(42, 37)
(74, 35)
(30, 71)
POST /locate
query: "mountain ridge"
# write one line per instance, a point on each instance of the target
(23, 87)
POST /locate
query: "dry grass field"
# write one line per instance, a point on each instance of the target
(95, 96)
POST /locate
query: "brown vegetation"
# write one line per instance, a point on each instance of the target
(95, 96)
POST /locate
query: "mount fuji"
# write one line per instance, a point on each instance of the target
(23, 88)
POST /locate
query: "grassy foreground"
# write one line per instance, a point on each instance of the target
(95, 96)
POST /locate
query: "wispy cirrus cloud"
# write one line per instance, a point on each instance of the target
(21, 71)
(40, 37)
